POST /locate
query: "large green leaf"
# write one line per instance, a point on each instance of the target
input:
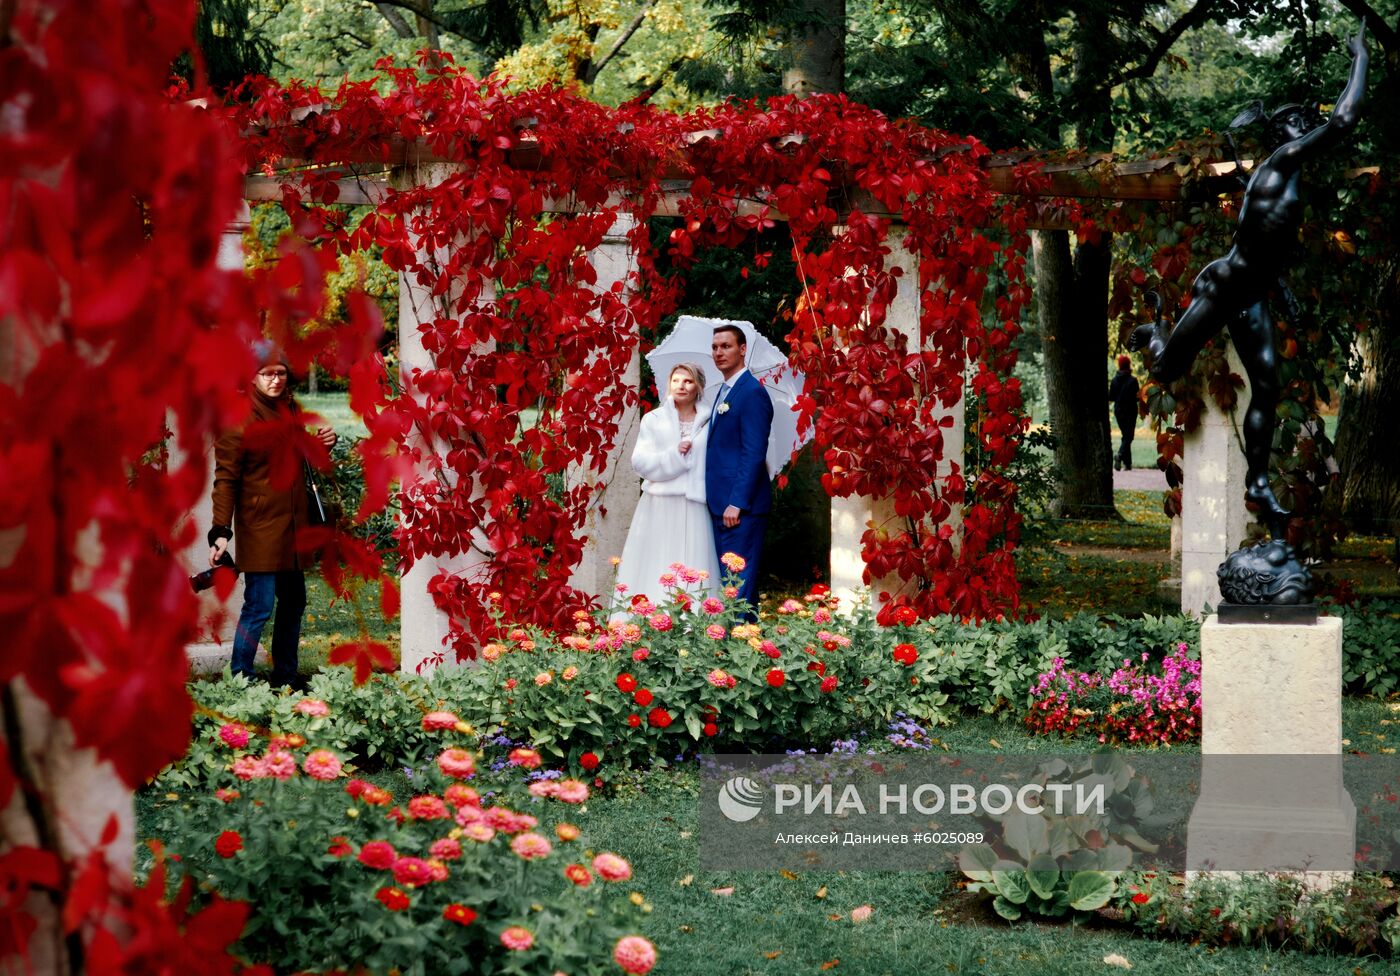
(1006, 909)
(1089, 890)
(1013, 886)
(1026, 834)
(1043, 874)
(977, 861)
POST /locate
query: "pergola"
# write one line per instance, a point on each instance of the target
(1213, 517)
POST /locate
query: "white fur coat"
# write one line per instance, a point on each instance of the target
(657, 457)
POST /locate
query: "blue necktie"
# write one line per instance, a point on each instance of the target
(723, 393)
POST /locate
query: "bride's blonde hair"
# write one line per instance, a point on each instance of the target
(694, 372)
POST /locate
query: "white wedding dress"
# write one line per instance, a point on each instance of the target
(671, 524)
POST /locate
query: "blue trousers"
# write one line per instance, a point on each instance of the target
(260, 590)
(745, 539)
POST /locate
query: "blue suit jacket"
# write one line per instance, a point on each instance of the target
(736, 472)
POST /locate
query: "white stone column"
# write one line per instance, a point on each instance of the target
(851, 516)
(1272, 796)
(423, 628)
(610, 513)
(218, 619)
(1213, 517)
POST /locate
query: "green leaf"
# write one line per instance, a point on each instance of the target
(1026, 834)
(1043, 874)
(693, 725)
(1090, 890)
(1006, 909)
(977, 861)
(1013, 886)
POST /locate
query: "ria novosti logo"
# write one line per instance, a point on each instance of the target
(741, 799)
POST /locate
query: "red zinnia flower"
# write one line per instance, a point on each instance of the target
(340, 846)
(829, 683)
(634, 720)
(776, 677)
(817, 666)
(626, 683)
(643, 697)
(229, 843)
(711, 729)
(588, 761)
(459, 913)
(393, 899)
(1141, 898)
(658, 718)
(906, 654)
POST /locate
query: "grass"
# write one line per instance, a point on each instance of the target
(800, 923)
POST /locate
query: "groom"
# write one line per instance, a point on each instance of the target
(737, 488)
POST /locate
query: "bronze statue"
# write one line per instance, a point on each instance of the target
(1233, 292)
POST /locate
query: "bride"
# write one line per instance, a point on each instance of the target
(671, 524)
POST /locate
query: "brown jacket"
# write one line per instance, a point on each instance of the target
(265, 516)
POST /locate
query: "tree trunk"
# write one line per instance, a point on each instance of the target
(818, 49)
(1071, 307)
(1366, 490)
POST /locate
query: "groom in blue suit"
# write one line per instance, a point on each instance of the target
(737, 488)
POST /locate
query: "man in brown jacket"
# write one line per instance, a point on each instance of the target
(260, 497)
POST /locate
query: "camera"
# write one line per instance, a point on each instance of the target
(200, 582)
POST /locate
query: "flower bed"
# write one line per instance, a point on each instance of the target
(1134, 704)
(341, 878)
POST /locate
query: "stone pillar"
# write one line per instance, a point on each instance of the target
(1213, 517)
(1272, 796)
(423, 628)
(851, 516)
(217, 619)
(610, 513)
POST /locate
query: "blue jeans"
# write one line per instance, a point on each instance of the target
(288, 588)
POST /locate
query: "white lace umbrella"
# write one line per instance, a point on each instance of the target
(690, 342)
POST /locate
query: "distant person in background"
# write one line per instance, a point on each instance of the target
(261, 500)
(1123, 394)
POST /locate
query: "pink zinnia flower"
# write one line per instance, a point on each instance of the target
(712, 606)
(660, 621)
(733, 562)
(718, 678)
(234, 735)
(377, 854)
(479, 832)
(280, 765)
(412, 871)
(518, 938)
(692, 576)
(528, 758)
(770, 649)
(789, 606)
(569, 673)
(543, 678)
(668, 580)
(531, 846)
(457, 763)
(228, 796)
(570, 791)
(439, 721)
(641, 654)
(446, 849)
(249, 767)
(715, 632)
(321, 764)
(427, 807)
(821, 616)
(508, 821)
(610, 867)
(313, 707)
(635, 955)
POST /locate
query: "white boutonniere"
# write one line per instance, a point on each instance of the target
(723, 408)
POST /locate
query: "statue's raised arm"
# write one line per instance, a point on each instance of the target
(1299, 141)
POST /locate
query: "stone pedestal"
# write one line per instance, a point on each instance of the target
(1272, 796)
(1214, 520)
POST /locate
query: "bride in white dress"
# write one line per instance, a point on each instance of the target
(672, 523)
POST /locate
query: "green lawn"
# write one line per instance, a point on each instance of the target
(922, 923)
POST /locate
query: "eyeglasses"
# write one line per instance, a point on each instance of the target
(275, 374)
